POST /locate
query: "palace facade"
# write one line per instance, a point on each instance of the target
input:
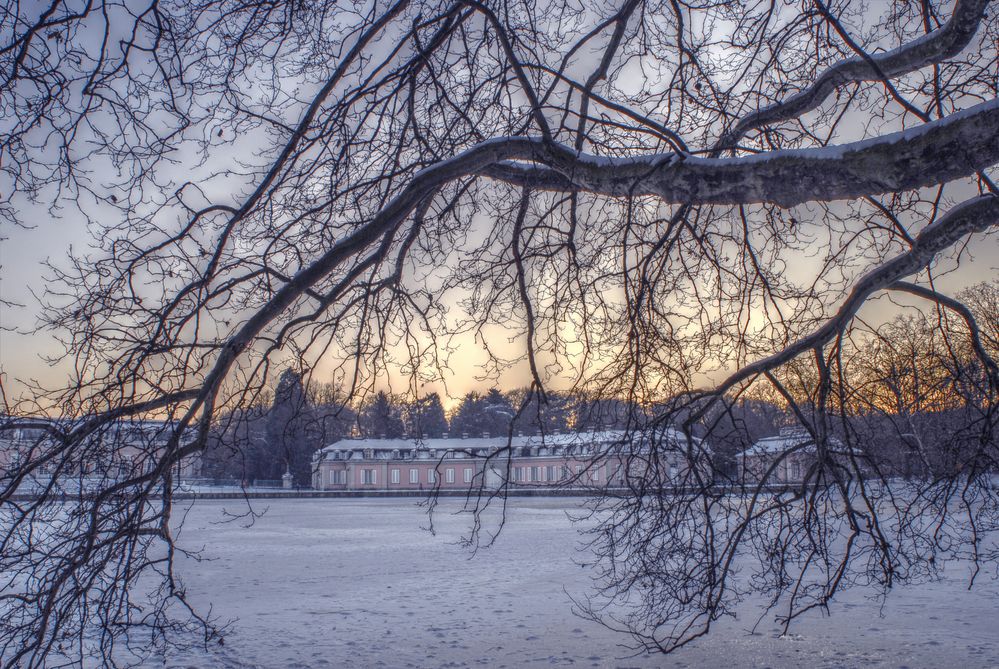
(604, 458)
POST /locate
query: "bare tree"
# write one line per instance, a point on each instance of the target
(669, 203)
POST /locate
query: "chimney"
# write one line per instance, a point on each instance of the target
(486, 435)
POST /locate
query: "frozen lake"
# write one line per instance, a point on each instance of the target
(358, 583)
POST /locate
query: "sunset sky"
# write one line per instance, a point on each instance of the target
(23, 251)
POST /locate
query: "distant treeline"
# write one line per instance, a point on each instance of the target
(909, 398)
(262, 442)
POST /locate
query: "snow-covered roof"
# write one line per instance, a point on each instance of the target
(602, 438)
(788, 438)
(478, 443)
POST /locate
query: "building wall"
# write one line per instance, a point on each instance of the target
(379, 474)
(792, 469)
(375, 473)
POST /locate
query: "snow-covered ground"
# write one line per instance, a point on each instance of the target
(358, 583)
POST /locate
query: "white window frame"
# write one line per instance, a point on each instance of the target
(414, 475)
(449, 475)
(468, 474)
(395, 476)
(333, 477)
(373, 476)
(431, 476)
(595, 476)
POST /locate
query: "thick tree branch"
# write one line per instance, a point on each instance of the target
(934, 153)
(944, 42)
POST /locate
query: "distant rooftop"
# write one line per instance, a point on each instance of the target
(602, 437)
(480, 442)
(785, 440)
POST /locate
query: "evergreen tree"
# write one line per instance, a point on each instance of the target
(557, 413)
(593, 413)
(425, 416)
(291, 433)
(478, 414)
(381, 417)
(335, 418)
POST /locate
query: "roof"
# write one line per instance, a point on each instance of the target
(476, 443)
(788, 438)
(606, 438)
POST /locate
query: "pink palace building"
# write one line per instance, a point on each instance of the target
(570, 459)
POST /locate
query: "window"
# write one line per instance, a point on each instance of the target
(518, 473)
(579, 469)
(431, 475)
(565, 473)
(369, 476)
(449, 475)
(395, 476)
(333, 476)
(550, 472)
(535, 474)
(468, 475)
(343, 476)
(414, 475)
(596, 475)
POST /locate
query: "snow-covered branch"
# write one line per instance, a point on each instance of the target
(945, 42)
(933, 153)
